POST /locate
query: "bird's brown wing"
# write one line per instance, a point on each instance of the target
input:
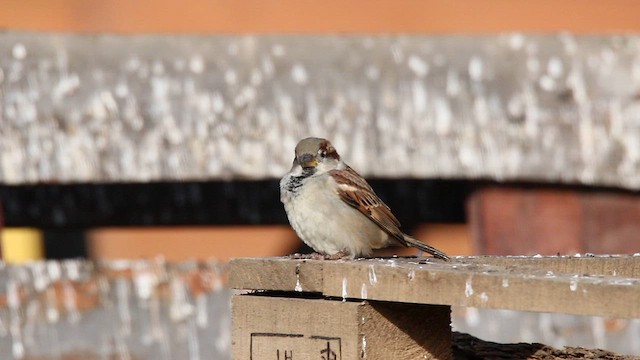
(355, 191)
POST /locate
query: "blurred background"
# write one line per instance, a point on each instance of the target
(557, 174)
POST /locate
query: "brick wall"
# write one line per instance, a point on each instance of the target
(515, 221)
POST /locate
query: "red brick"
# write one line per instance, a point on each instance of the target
(611, 223)
(507, 221)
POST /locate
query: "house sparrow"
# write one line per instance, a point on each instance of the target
(334, 210)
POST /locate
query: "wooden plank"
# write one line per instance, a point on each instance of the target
(614, 265)
(585, 287)
(280, 273)
(199, 60)
(267, 327)
(484, 286)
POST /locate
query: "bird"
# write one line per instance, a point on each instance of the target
(334, 210)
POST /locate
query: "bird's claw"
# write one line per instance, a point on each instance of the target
(340, 255)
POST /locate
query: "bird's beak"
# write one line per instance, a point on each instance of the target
(307, 161)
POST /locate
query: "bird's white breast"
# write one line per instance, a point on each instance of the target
(326, 223)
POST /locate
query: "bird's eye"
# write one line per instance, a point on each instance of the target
(323, 154)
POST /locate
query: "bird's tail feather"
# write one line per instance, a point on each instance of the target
(424, 247)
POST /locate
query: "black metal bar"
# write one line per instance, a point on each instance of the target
(206, 203)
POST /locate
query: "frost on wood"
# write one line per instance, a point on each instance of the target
(140, 108)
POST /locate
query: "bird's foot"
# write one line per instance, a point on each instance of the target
(340, 255)
(302, 256)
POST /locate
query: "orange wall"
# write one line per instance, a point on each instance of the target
(415, 16)
(183, 243)
(225, 242)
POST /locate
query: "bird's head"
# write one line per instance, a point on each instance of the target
(316, 156)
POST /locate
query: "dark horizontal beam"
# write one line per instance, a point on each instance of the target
(206, 203)
(77, 206)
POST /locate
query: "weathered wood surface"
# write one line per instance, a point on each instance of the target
(621, 266)
(268, 327)
(602, 285)
(232, 106)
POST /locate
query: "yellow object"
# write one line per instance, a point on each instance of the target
(21, 245)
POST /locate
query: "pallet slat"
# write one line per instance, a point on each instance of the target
(571, 285)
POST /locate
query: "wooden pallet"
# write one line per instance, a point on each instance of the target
(405, 296)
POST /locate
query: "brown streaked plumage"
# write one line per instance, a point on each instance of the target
(355, 191)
